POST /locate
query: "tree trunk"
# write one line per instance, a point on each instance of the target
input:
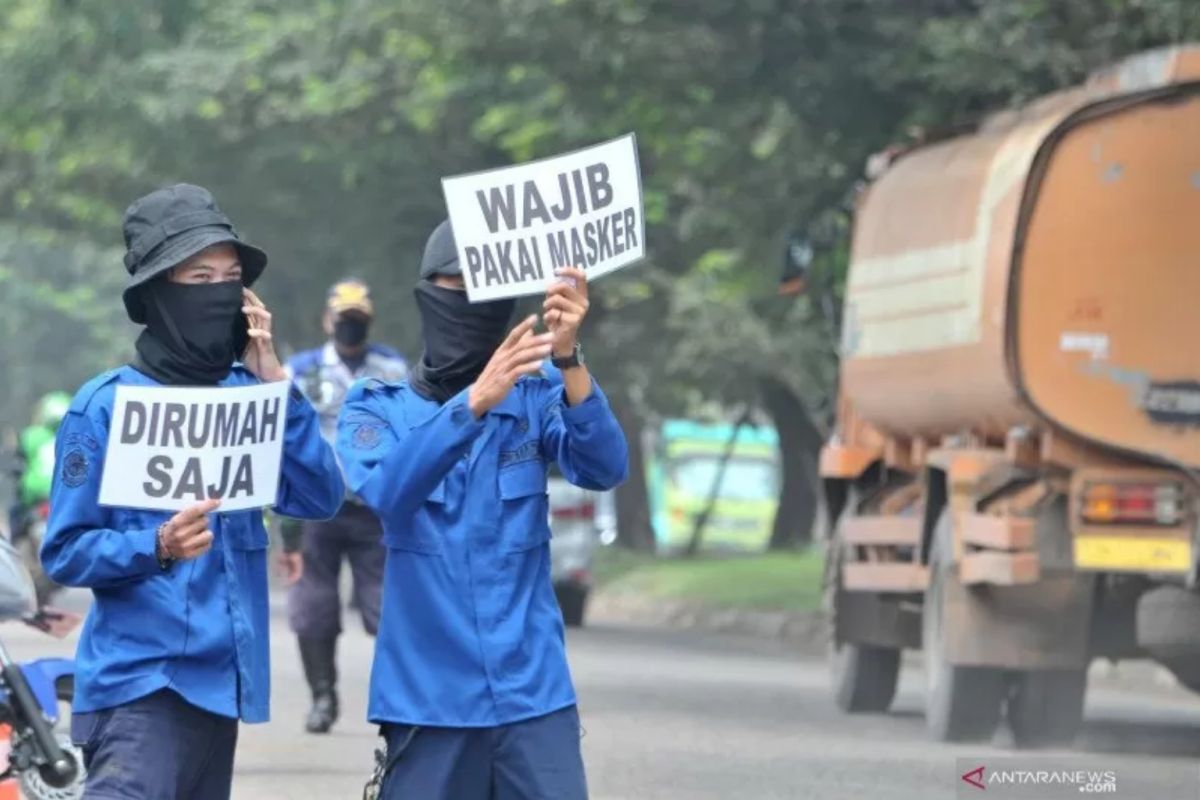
(714, 490)
(634, 530)
(799, 445)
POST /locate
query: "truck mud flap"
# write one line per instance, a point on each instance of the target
(1043, 625)
(875, 619)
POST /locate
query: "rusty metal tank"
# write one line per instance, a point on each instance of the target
(1043, 270)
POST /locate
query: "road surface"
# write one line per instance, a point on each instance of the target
(679, 716)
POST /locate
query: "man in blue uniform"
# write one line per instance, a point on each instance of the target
(470, 681)
(175, 649)
(313, 552)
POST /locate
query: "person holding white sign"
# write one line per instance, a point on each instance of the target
(470, 682)
(175, 648)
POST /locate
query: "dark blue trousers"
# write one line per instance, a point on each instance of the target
(157, 748)
(537, 759)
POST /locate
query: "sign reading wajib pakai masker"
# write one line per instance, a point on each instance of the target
(514, 226)
(170, 447)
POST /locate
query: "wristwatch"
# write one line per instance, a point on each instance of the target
(571, 361)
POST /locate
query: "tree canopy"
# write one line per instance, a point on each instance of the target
(324, 128)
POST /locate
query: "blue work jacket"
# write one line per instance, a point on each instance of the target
(200, 627)
(470, 634)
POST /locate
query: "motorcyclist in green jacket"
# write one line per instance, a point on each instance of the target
(37, 449)
(33, 472)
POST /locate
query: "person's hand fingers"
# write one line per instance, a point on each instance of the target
(536, 348)
(196, 545)
(194, 512)
(253, 299)
(261, 337)
(258, 317)
(565, 304)
(526, 368)
(188, 530)
(296, 565)
(552, 318)
(576, 274)
(517, 333)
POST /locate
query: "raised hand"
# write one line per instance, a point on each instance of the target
(260, 357)
(522, 353)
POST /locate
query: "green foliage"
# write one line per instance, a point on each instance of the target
(773, 582)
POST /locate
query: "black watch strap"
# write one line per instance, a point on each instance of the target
(571, 361)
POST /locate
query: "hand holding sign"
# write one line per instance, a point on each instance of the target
(522, 353)
(565, 307)
(186, 535)
(260, 357)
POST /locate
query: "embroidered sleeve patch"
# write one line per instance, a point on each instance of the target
(75, 468)
(82, 439)
(367, 436)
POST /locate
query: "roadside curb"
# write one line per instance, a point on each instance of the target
(804, 630)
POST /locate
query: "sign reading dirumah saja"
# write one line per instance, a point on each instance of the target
(170, 447)
(514, 226)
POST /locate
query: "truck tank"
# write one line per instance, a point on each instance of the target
(1044, 269)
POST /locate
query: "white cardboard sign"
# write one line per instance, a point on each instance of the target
(170, 447)
(515, 225)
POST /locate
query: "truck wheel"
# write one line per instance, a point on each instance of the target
(572, 601)
(962, 704)
(863, 676)
(1045, 708)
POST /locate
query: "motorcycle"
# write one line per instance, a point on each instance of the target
(41, 758)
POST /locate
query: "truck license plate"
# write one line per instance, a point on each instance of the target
(1133, 554)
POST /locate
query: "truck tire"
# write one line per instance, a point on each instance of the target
(1045, 708)
(863, 676)
(1168, 623)
(962, 704)
(572, 601)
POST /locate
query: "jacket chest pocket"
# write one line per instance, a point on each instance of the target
(244, 532)
(523, 495)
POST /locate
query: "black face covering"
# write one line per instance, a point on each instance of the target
(194, 332)
(460, 337)
(351, 331)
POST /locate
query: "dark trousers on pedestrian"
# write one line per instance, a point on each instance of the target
(536, 759)
(314, 603)
(159, 747)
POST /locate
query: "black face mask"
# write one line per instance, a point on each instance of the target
(460, 337)
(194, 332)
(351, 331)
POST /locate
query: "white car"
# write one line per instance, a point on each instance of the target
(579, 520)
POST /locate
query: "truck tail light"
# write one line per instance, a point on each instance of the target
(584, 511)
(1133, 503)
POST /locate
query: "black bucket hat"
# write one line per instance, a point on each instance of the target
(169, 226)
(441, 255)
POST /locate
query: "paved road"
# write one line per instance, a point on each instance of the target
(684, 716)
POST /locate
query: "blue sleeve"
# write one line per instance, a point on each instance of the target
(311, 485)
(81, 547)
(392, 468)
(585, 440)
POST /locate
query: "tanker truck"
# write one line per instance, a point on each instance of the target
(1012, 480)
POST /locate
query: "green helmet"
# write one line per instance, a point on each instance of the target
(51, 409)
